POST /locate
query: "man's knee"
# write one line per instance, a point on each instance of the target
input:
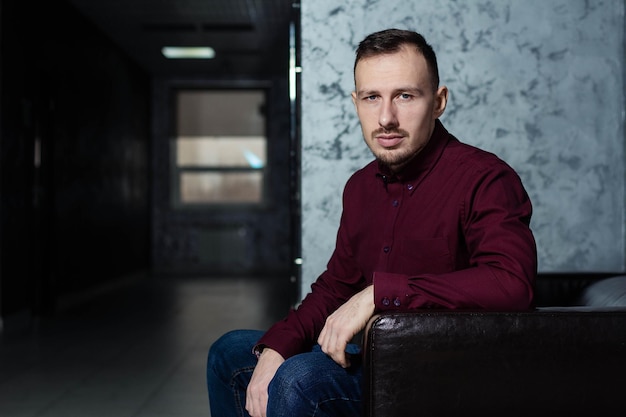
(218, 350)
(293, 381)
(231, 351)
(230, 365)
(313, 383)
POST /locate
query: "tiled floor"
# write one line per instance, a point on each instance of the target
(140, 351)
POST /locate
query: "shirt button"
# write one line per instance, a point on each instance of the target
(395, 203)
(409, 186)
(386, 249)
(396, 302)
(385, 301)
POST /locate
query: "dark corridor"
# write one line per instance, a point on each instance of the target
(85, 149)
(111, 291)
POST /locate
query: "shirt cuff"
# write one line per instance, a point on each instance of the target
(258, 349)
(391, 291)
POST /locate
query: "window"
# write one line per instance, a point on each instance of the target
(220, 147)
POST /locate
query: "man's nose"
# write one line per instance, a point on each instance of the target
(387, 118)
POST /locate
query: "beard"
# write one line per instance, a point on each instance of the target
(393, 158)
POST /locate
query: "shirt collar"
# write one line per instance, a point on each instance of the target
(423, 162)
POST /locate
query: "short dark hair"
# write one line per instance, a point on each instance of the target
(391, 40)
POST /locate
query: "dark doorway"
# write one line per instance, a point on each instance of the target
(222, 195)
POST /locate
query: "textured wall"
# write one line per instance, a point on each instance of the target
(540, 83)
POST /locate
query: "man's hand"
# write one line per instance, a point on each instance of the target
(256, 394)
(345, 323)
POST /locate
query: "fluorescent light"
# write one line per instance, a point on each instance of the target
(188, 52)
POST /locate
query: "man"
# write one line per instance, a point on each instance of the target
(431, 223)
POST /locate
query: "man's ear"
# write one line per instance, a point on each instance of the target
(354, 98)
(441, 100)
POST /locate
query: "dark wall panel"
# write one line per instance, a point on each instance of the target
(74, 157)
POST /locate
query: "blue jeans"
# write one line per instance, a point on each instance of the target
(308, 384)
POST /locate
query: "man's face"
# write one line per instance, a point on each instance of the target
(396, 104)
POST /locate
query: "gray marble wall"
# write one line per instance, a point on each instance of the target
(538, 82)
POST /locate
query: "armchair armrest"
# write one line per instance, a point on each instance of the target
(552, 361)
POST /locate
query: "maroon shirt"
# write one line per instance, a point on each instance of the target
(450, 231)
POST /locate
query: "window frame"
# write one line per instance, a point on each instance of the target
(176, 172)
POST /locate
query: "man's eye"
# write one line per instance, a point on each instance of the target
(370, 98)
(405, 96)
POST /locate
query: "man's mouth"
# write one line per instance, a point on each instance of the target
(389, 140)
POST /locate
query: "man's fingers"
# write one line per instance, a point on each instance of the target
(256, 403)
(256, 393)
(333, 346)
(344, 323)
(338, 354)
(341, 359)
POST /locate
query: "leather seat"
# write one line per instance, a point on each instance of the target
(553, 361)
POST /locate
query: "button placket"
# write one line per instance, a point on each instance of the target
(393, 195)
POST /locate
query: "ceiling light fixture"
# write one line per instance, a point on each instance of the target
(188, 52)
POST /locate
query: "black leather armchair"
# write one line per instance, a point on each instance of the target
(554, 361)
